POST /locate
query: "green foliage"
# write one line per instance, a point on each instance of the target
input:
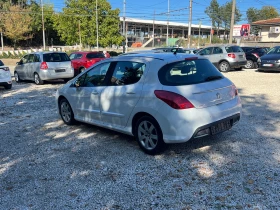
(68, 23)
(215, 13)
(226, 11)
(266, 12)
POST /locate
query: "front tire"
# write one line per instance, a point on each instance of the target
(149, 135)
(224, 66)
(38, 80)
(66, 112)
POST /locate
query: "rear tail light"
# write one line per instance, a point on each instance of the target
(174, 100)
(234, 91)
(231, 55)
(255, 54)
(5, 68)
(44, 66)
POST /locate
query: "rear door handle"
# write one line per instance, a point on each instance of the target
(95, 93)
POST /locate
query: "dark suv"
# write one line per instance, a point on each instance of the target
(252, 56)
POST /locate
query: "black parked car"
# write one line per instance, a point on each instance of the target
(252, 56)
(270, 61)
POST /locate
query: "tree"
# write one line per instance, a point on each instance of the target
(226, 11)
(17, 24)
(266, 12)
(67, 23)
(213, 11)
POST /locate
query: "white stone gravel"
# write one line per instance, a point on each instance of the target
(45, 164)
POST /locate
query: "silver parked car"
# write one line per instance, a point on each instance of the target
(225, 57)
(40, 66)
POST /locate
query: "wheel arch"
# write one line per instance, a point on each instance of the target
(137, 116)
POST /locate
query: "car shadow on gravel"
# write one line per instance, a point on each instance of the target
(45, 164)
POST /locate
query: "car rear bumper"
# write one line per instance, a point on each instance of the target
(182, 125)
(238, 64)
(47, 75)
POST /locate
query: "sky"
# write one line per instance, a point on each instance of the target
(179, 9)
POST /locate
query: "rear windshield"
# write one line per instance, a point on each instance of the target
(1, 63)
(188, 72)
(95, 55)
(55, 57)
(234, 49)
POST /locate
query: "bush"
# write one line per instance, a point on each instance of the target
(11, 56)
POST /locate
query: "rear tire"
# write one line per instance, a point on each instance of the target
(17, 79)
(66, 112)
(224, 66)
(8, 86)
(249, 64)
(149, 135)
(38, 80)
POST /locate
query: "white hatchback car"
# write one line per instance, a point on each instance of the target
(158, 98)
(5, 76)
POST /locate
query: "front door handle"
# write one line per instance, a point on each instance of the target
(95, 93)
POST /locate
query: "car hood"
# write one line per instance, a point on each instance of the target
(271, 57)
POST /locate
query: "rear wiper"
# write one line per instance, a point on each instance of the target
(213, 78)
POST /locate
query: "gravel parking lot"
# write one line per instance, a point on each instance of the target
(45, 164)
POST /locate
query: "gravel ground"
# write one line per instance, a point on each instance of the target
(45, 164)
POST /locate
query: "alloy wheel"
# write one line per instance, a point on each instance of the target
(147, 135)
(65, 110)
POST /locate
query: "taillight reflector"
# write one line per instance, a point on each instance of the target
(255, 54)
(174, 100)
(231, 55)
(44, 66)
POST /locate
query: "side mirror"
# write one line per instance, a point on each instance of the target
(77, 83)
(19, 63)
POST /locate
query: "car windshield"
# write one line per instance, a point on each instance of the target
(188, 72)
(233, 49)
(1, 63)
(55, 57)
(274, 50)
(95, 55)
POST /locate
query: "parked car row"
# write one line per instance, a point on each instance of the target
(42, 66)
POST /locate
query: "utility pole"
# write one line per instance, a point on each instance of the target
(2, 42)
(43, 25)
(211, 33)
(190, 25)
(124, 27)
(199, 33)
(96, 16)
(167, 23)
(232, 21)
(80, 35)
(154, 29)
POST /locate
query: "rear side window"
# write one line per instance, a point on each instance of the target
(1, 63)
(95, 55)
(188, 73)
(233, 49)
(55, 57)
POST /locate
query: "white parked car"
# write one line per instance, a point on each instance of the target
(5, 76)
(158, 98)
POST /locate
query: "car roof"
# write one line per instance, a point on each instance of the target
(169, 57)
(86, 52)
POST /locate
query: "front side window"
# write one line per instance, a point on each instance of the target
(206, 51)
(31, 58)
(127, 73)
(24, 59)
(95, 76)
(188, 73)
(95, 55)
